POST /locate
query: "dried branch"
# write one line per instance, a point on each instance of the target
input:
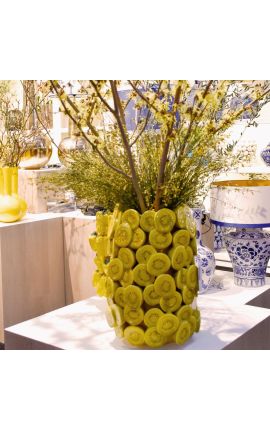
(142, 96)
(59, 91)
(241, 111)
(39, 118)
(98, 93)
(122, 127)
(146, 121)
(195, 117)
(163, 160)
(117, 104)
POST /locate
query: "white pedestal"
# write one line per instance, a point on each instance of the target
(34, 192)
(228, 322)
(45, 263)
(78, 256)
(31, 269)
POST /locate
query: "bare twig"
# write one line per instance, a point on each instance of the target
(141, 95)
(193, 117)
(163, 160)
(142, 129)
(241, 111)
(102, 99)
(59, 91)
(93, 146)
(122, 127)
(34, 107)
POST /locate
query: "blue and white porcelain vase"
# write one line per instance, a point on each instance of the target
(249, 251)
(205, 257)
(265, 154)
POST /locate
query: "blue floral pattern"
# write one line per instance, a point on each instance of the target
(265, 154)
(218, 237)
(204, 262)
(249, 252)
(205, 258)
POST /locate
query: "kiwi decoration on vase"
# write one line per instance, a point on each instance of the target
(145, 267)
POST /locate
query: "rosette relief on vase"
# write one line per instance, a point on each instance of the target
(205, 257)
(146, 269)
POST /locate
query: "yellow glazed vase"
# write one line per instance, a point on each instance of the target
(12, 207)
(146, 268)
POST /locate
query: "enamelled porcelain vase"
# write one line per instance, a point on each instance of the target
(12, 207)
(205, 259)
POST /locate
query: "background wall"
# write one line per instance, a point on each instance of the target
(259, 135)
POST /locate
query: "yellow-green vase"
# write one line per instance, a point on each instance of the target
(12, 207)
(146, 268)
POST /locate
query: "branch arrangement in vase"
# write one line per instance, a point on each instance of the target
(155, 144)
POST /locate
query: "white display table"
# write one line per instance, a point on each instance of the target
(228, 322)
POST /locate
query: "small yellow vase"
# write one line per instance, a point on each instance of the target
(12, 207)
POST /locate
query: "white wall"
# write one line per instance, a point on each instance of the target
(260, 134)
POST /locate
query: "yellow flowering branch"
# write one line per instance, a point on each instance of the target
(94, 147)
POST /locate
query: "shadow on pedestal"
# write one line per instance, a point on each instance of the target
(258, 338)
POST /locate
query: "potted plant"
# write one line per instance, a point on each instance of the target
(16, 138)
(146, 166)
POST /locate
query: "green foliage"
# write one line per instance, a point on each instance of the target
(94, 183)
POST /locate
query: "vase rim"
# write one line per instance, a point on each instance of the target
(242, 183)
